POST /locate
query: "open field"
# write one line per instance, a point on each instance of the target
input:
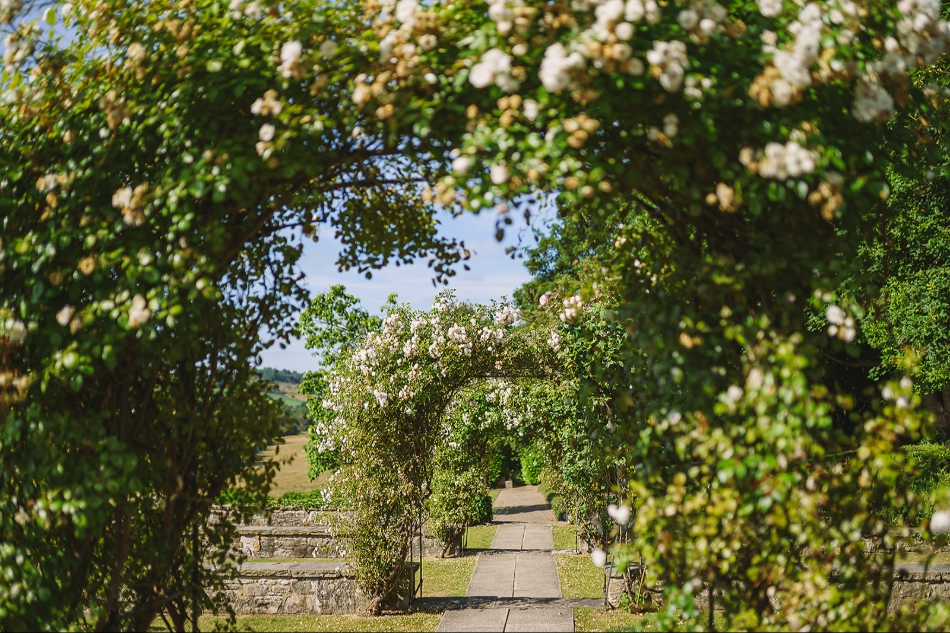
(288, 401)
(289, 391)
(292, 476)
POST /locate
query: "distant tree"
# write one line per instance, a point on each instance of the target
(281, 375)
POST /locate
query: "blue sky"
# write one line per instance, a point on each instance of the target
(493, 274)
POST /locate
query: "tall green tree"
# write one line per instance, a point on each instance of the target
(331, 326)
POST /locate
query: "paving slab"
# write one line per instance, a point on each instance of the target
(493, 576)
(537, 536)
(492, 602)
(515, 586)
(522, 505)
(540, 619)
(536, 576)
(510, 536)
(465, 620)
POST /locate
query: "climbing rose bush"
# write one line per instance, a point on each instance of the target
(391, 396)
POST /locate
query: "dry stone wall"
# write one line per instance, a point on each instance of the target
(912, 584)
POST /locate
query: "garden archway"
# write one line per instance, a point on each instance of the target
(391, 396)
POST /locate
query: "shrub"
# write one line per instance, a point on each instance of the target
(927, 470)
(313, 500)
(531, 464)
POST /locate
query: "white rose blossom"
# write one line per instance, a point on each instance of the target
(65, 315)
(494, 67)
(139, 313)
(290, 54)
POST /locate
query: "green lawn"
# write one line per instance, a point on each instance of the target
(617, 620)
(598, 620)
(480, 537)
(564, 537)
(446, 577)
(917, 557)
(579, 577)
(409, 622)
(286, 400)
(493, 493)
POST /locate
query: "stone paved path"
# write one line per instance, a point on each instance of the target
(515, 583)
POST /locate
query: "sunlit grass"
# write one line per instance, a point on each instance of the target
(408, 622)
(565, 537)
(446, 577)
(480, 537)
(579, 577)
(598, 620)
(620, 620)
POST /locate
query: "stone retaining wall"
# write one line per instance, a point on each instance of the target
(285, 533)
(911, 585)
(288, 517)
(254, 541)
(304, 588)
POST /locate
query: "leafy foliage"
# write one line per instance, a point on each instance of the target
(154, 160)
(912, 258)
(333, 324)
(928, 471)
(531, 464)
(301, 500)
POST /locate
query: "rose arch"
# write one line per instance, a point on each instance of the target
(397, 397)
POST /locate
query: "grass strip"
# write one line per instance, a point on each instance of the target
(446, 577)
(579, 577)
(480, 537)
(619, 620)
(408, 622)
(565, 537)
